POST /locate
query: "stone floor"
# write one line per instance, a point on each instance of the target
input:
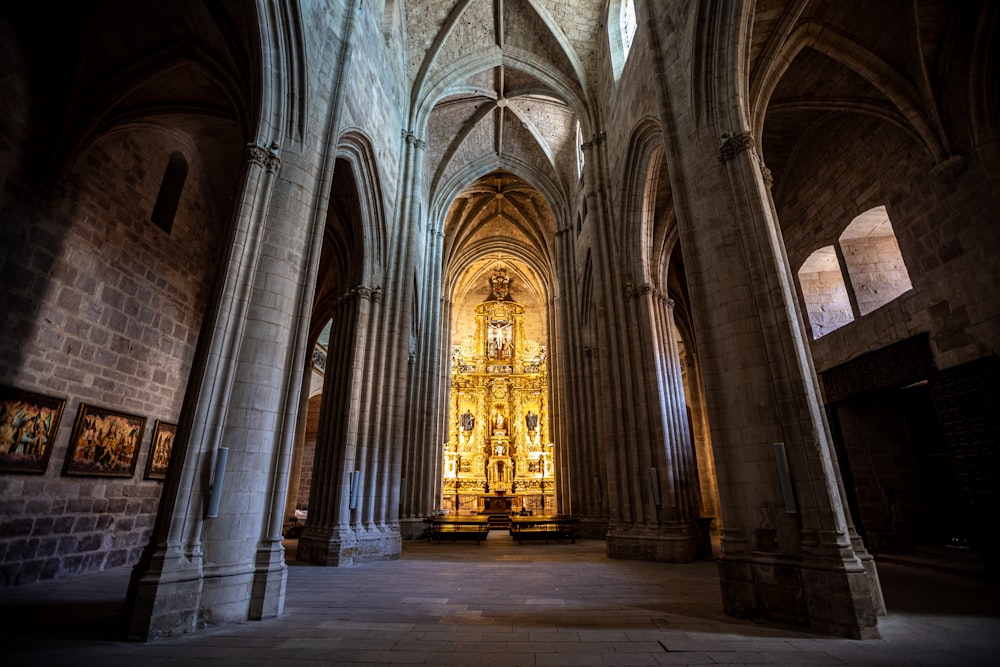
(499, 603)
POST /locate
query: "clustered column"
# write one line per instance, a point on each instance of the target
(345, 524)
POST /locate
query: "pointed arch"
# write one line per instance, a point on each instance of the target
(644, 163)
(420, 88)
(357, 150)
(856, 57)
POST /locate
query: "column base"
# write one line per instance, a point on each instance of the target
(164, 596)
(270, 577)
(829, 597)
(350, 545)
(868, 562)
(673, 543)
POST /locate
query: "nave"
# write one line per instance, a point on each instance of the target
(498, 603)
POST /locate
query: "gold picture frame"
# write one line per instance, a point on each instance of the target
(161, 448)
(28, 425)
(105, 443)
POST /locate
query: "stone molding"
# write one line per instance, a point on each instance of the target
(411, 138)
(319, 359)
(734, 144)
(373, 294)
(634, 292)
(266, 157)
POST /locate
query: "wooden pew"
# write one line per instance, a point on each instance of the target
(553, 527)
(457, 528)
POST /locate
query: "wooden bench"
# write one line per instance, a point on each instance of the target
(546, 528)
(457, 528)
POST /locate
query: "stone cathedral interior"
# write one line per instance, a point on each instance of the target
(717, 279)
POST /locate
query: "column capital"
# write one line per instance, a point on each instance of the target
(596, 140)
(411, 138)
(767, 176)
(373, 294)
(264, 156)
(632, 291)
(733, 144)
(319, 358)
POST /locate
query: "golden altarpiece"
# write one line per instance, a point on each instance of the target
(498, 456)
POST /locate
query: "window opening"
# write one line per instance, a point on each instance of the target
(828, 304)
(873, 260)
(169, 196)
(626, 21)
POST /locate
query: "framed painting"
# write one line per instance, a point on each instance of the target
(160, 449)
(104, 443)
(28, 425)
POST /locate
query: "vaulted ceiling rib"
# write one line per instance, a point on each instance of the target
(498, 86)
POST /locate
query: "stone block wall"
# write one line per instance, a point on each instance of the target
(374, 100)
(876, 270)
(103, 308)
(308, 452)
(56, 527)
(945, 231)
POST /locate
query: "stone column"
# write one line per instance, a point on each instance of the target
(638, 421)
(682, 473)
(426, 397)
(787, 553)
(799, 542)
(240, 384)
(664, 527)
(578, 457)
(339, 529)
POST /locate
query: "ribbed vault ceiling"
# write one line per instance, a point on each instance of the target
(504, 82)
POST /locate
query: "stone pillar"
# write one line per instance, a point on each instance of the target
(801, 543)
(427, 368)
(651, 516)
(682, 471)
(346, 523)
(578, 457)
(787, 554)
(228, 568)
(666, 528)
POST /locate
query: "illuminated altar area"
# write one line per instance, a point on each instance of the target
(498, 457)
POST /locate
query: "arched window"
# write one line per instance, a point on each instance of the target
(827, 302)
(621, 31)
(874, 263)
(627, 24)
(870, 255)
(579, 151)
(169, 196)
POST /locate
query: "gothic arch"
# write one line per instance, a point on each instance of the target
(471, 172)
(860, 60)
(426, 93)
(357, 151)
(638, 209)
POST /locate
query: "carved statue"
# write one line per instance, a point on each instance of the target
(531, 421)
(468, 421)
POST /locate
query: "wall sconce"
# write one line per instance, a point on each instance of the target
(785, 475)
(355, 483)
(215, 492)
